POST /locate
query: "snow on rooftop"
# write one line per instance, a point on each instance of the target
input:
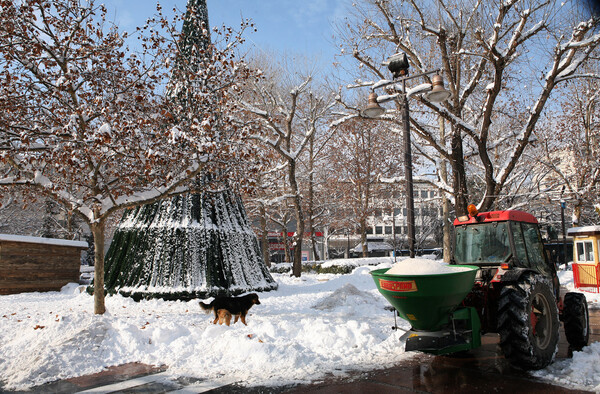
(40, 240)
(585, 229)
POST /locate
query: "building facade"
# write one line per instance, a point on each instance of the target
(387, 227)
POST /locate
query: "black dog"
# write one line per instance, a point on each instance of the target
(237, 306)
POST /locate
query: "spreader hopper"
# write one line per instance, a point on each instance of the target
(430, 303)
(425, 301)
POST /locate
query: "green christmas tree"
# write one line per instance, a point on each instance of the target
(193, 245)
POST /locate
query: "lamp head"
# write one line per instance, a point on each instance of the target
(373, 109)
(438, 93)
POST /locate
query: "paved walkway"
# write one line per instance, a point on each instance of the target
(483, 370)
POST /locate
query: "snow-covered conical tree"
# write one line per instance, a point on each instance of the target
(193, 245)
(190, 246)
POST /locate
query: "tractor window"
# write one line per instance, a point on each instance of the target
(585, 253)
(482, 243)
(520, 251)
(535, 247)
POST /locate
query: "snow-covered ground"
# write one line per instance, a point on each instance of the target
(309, 327)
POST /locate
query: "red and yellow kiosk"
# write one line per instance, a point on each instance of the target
(586, 257)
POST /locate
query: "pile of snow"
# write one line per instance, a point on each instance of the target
(417, 266)
(309, 327)
(347, 297)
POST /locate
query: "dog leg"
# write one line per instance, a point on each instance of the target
(243, 318)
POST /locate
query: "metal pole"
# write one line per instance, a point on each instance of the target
(410, 205)
(394, 231)
(348, 245)
(564, 234)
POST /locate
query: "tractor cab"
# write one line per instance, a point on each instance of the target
(504, 244)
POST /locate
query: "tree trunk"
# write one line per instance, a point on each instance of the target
(577, 212)
(311, 201)
(316, 254)
(446, 228)
(264, 236)
(297, 264)
(459, 181)
(98, 233)
(363, 237)
(326, 242)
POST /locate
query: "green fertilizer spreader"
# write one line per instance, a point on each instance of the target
(431, 304)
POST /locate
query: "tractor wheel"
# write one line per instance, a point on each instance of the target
(576, 319)
(528, 322)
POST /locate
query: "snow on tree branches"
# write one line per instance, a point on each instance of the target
(90, 123)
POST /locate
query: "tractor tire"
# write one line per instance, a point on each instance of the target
(577, 320)
(528, 322)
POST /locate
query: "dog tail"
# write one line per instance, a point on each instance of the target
(207, 307)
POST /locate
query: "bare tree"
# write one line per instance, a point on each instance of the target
(88, 123)
(265, 204)
(288, 113)
(361, 154)
(569, 148)
(493, 54)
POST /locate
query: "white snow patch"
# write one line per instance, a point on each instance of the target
(419, 266)
(309, 327)
(39, 240)
(286, 339)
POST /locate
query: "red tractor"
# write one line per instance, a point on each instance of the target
(516, 292)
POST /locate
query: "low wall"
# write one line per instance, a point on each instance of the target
(38, 264)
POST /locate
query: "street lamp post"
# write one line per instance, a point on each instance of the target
(398, 65)
(348, 243)
(408, 170)
(563, 257)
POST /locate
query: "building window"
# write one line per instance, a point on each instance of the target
(378, 230)
(432, 194)
(388, 230)
(378, 212)
(424, 193)
(398, 230)
(370, 230)
(585, 253)
(404, 211)
(396, 211)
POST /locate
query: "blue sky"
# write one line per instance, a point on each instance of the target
(286, 26)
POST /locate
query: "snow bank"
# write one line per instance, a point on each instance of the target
(419, 266)
(298, 333)
(309, 327)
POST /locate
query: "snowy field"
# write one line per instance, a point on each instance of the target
(312, 326)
